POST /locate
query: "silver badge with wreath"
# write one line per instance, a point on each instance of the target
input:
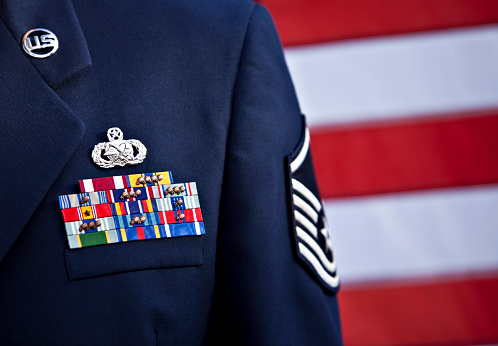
(118, 152)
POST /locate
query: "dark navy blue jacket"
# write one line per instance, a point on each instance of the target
(204, 86)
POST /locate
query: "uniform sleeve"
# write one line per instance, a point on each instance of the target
(267, 291)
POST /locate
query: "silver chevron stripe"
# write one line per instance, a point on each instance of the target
(332, 281)
(306, 193)
(305, 207)
(306, 223)
(298, 161)
(305, 238)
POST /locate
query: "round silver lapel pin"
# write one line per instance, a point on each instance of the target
(40, 43)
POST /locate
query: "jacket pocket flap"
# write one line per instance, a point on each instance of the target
(139, 255)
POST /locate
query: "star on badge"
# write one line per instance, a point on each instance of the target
(118, 152)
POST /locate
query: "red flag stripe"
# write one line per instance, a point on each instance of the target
(459, 312)
(406, 155)
(313, 21)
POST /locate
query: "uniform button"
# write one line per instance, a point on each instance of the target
(40, 43)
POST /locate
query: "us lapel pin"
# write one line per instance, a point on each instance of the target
(40, 43)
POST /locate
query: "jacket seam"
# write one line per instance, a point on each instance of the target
(233, 100)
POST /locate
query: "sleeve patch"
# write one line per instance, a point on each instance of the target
(311, 233)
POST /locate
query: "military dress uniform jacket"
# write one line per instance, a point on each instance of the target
(204, 86)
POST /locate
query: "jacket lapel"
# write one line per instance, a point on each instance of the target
(39, 131)
(59, 17)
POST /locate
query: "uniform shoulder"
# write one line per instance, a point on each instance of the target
(214, 14)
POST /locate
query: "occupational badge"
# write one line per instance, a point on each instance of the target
(131, 207)
(118, 152)
(309, 225)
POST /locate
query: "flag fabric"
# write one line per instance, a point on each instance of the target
(401, 98)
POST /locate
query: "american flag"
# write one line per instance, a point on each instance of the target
(402, 102)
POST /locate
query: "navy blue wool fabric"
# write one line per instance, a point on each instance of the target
(204, 86)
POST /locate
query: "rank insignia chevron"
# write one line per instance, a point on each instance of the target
(131, 207)
(311, 233)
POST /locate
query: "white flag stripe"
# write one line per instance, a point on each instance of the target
(305, 238)
(306, 193)
(305, 207)
(306, 223)
(441, 71)
(329, 279)
(298, 161)
(444, 231)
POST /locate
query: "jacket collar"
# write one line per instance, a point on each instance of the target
(40, 132)
(59, 17)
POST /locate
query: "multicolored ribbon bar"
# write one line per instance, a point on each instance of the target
(153, 192)
(87, 213)
(130, 207)
(107, 223)
(123, 181)
(76, 200)
(151, 205)
(136, 233)
(111, 196)
(124, 221)
(160, 218)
